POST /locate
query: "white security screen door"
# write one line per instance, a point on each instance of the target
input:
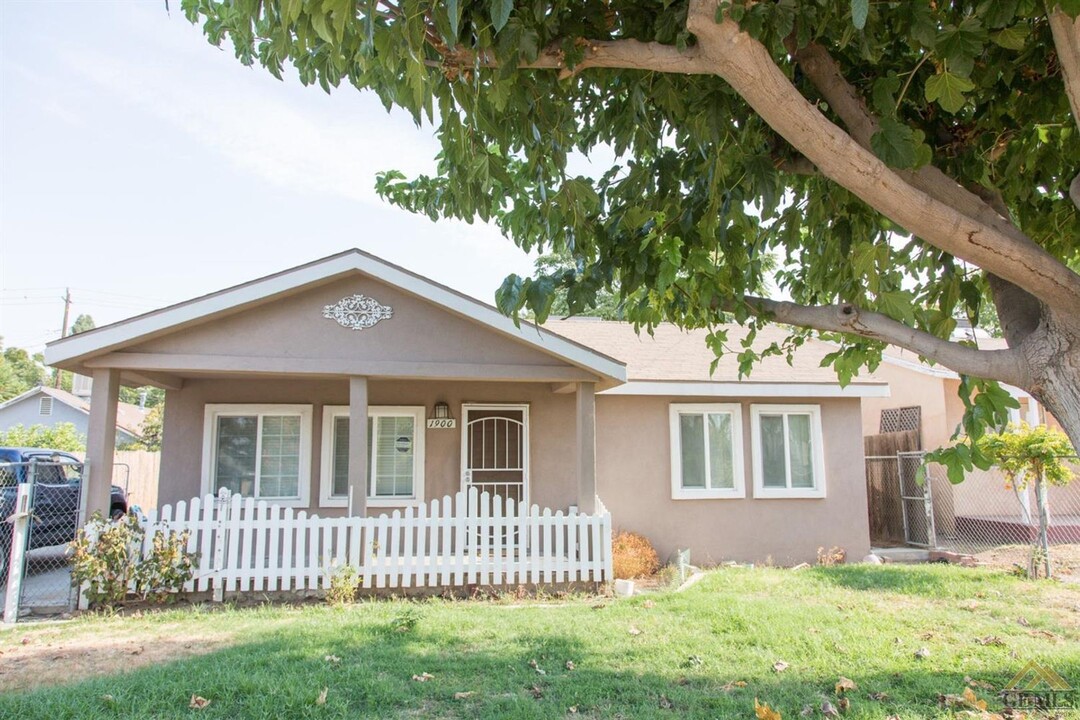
(495, 450)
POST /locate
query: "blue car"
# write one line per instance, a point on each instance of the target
(58, 476)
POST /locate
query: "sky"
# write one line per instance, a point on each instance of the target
(141, 166)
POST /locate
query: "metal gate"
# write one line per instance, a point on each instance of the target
(901, 508)
(495, 459)
(42, 503)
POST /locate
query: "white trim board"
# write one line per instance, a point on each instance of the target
(127, 332)
(748, 389)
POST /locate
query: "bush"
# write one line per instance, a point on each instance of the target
(633, 556)
(62, 436)
(107, 559)
(344, 582)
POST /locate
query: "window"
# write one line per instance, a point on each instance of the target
(706, 452)
(45, 406)
(395, 473)
(788, 454)
(260, 451)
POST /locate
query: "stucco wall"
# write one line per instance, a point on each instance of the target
(633, 457)
(551, 417)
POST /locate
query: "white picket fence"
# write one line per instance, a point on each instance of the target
(470, 539)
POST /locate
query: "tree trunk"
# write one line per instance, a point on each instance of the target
(1053, 356)
(1044, 523)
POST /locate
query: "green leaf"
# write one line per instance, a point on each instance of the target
(500, 13)
(859, 10)
(453, 10)
(290, 10)
(1012, 38)
(894, 143)
(948, 90)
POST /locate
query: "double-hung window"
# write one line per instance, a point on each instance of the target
(788, 453)
(395, 470)
(706, 451)
(259, 451)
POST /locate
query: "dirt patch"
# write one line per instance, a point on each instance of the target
(57, 656)
(1065, 559)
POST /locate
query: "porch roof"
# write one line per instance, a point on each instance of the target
(119, 344)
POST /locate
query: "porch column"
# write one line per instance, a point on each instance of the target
(358, 448)
(586, 447)
(101, 441)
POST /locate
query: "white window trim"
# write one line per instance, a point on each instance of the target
(678, 492)
(817, 453)
(326, 466)
(213, 411)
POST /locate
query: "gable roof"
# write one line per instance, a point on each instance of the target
(678, 362)
(129, 418)
(71, 351)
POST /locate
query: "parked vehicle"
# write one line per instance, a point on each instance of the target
(58, 480)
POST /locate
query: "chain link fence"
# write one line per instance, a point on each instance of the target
(37, 575)
(983, 517)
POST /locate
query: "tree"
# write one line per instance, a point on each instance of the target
(82, 324)
(906, 161)
(150, 429)
(62, 436)
(19, 372)
(1034, 456)
(596, 297)
(135, 396)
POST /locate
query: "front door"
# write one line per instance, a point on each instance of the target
(495, 450)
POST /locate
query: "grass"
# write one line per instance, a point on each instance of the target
(662, 656)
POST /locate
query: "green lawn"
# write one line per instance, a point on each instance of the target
(665, 655)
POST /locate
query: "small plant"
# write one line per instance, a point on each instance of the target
(344, 582)
(633, 556)
(832, 556)
(107, 559)
(406, 621)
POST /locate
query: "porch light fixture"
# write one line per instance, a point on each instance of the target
(441, 419)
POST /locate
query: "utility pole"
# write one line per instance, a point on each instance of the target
(63, 330)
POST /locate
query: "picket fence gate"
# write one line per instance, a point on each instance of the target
(470, 539)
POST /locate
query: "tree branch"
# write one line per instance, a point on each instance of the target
(1003, 365)
(1066, 32)
(747, 66)
(626, 54)
(822, 70)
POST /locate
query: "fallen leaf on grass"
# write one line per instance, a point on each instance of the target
(570, 665)
(922, 653)
(137, 651)
(537, 691)
(926, 635)
(844, 684)
(321, 700)
(464, 695)
(779, 666)
(633, 630)
(966, 700)
(108, 699)
(694, 661)
(828, 710)
(198, 702)
(764, 712)
(665, 703)
(732, 684)
(844, 704)
(1044, 634)
(332, 659)
(879, 696)
(1023, 621)
(978, 683)
(572, 709)
(807, 711)
(536, 666)
(648, 604)
(990, 640)
(423, 677)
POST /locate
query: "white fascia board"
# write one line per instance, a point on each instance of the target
(112, 336)
(749, 389)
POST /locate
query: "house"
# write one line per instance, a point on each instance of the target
(50, 406)
(351, 386)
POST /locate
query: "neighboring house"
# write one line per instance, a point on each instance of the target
(49, 406)
(350, 385)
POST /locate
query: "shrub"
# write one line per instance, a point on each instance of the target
(343, 584)
(633, 556)
(832, 556)
(107, 559)
(62, 436)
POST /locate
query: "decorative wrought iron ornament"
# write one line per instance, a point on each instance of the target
(357, 312)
